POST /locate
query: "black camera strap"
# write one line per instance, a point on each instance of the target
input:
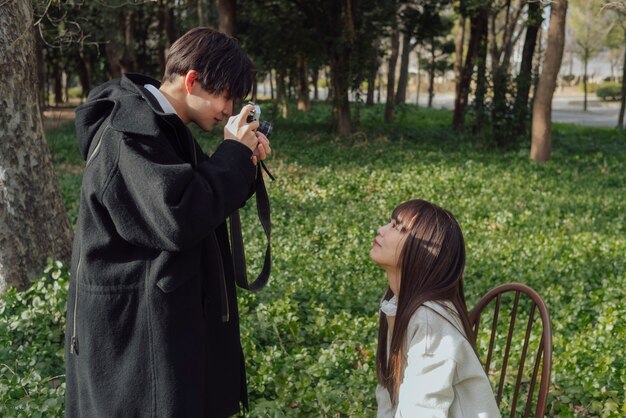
(236, 239)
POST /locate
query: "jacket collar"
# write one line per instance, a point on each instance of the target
(130, 115)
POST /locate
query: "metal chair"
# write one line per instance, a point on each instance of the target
(501, 357)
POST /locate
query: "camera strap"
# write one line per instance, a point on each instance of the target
(236, 239)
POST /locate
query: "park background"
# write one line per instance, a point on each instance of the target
(454, 123)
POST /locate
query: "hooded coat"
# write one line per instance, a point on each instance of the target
(152, 322)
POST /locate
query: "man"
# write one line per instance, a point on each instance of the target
(152, 322)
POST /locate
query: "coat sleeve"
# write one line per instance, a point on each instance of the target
(159, 201)
(427, 386)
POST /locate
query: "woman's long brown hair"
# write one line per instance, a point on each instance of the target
(432, 261)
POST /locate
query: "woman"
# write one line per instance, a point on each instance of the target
(426, 361)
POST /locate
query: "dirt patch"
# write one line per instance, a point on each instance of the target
(57, 116)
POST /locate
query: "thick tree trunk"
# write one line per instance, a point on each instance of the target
(461, 99)
(341, 105)
(403, 79)
(304, 102)
(228, 11)
(622, 109)
(391, 76)
(33, 221)
(524, 79)
(541, 141)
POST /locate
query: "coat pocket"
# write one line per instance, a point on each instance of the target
(168, 284)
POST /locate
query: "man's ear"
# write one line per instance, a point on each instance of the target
(190, 78)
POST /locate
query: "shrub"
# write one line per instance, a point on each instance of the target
(32, 325)
(610, 91)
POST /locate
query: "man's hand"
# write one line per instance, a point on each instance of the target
(262, 150)
(239, 130)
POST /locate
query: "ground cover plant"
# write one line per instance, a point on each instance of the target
(309, 337)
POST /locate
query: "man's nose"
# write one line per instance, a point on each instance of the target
(228, 109)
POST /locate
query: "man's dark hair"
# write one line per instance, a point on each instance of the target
(221, 64)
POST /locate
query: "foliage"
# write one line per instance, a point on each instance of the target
(609, 91)
(31, 346)
(309, 338)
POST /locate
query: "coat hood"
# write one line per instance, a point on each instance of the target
(121, 100)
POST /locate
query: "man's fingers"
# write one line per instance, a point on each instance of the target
(243, 116)
(265, 142)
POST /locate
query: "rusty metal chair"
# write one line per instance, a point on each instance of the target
(506, 350)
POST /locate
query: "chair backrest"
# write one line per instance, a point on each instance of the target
(509, 346)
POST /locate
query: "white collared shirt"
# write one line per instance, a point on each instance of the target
(163, 102)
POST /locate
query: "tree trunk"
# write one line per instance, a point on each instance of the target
(371, 85)
(461, 99)
(431, 74)
(281, 92)
(481, 73)
(391, 75)
(458, 59)
(33, 221)
(304, 102)
(129, 58)
(58, 83)
(227, 11)
(585, 62)
(378, 87)
(203, 19)
(271, 77)
(84, 72)
(524, 79)
(403, 80)
(255, 87)
(314, 79)
(113, 59)
(170, 22)
(622, 109)
(419, 76)
(41, 71)
(341, 105)
(541, 141)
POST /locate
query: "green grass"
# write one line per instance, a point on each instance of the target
(309, 337)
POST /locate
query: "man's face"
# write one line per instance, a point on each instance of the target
(207, 109)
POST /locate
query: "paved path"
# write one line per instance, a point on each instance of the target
(565, 109)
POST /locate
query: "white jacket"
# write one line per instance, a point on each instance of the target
(442, 376)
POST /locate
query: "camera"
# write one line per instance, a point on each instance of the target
(264, 127)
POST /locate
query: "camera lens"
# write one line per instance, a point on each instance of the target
(265, 128)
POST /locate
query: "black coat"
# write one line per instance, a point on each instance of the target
(152, 322)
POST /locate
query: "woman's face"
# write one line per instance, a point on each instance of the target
(387, 248)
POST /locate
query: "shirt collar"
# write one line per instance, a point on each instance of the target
(163, 102)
